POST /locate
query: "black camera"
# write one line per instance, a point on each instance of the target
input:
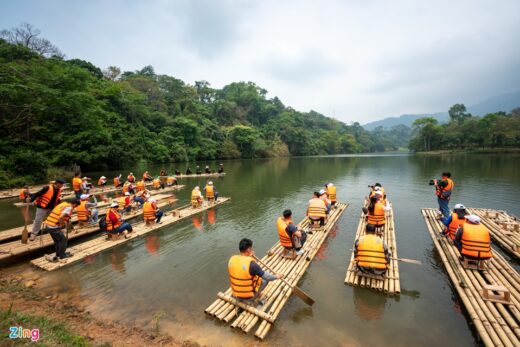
(369, 186)
(432, 182)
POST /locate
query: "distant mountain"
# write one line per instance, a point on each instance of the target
(503, 102)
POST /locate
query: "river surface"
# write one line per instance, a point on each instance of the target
(175, 273)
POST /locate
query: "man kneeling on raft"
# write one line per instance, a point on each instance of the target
(247, 278)
(371, 253)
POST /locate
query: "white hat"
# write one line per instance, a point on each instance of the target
(114, 203)
(103, 177)
(152, 200)
(460, 207)
(197, 187)
(210, 183)
(376, 188)
(321, 192)
(127, 193)
(330, 184)
(131, 173)
(473, 219)
(84, 196)
(85, 178)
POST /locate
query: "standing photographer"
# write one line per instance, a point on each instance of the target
(443, 189)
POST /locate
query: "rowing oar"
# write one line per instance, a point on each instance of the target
(405, 260)
(296, 290)
(25, 233)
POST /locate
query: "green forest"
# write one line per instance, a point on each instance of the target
(58, 112)
(464, 131)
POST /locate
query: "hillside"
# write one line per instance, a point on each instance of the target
(503, 102)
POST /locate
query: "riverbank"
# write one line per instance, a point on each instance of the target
(60, 322)
(472, 151)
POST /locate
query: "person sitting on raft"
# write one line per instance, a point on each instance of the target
(86, 211)
(317, 210)
(85, 185)
(140, 197)
(207, 170)
(211, 192)
(196, 197)
(151, 211)
(102, 181)
(188, 171)
(371, 253)
(177, 172)
(131, 178)
(125, 204)
(331, 193)
(473, 239)
(325, 199)
(198, 171)
(115, 223)
(58, 219)
(454, 221)
(117, 181)
(221, 168)
(147, 177)
(246, 277)
(375, 213)
(171, 181)
(290, 237)
(163, 173)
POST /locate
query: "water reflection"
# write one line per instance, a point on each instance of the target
(152, 244)
(369, 306)
(117, 259)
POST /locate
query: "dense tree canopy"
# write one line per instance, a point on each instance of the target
(56, 113)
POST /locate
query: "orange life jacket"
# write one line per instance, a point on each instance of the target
(243, 284)
(54, 217)
(126, 187)
(170, 180)
(43, 200)
(285, 240)
(210, 192)
(23, 194)
(156, 183)
(76, 184)
(476, 241)
(117, 182)
(317, 208)
(454, 225)
(377, 217)
(130, 178)
(139, 186)
(82, 211)
(331, 193)
(149, 210)
(111, 226)
(371, 252)
(449, 187)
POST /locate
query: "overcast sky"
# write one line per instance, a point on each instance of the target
(359, 60)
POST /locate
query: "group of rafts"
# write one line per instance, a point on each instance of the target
(162, 195)
(373, 264)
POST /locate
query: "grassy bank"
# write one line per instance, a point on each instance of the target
(473, 151)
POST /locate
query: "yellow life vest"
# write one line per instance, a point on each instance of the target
(243, 284)
(285, 240)
(476, 241)
(210, 192)
(148, 211)
(195, 196)
(126, 187)
(331, 193)
(54, 217)
(139, 186)
(371, 252)
(122, 203)
(170, 180)
(156, 183)
(377, 217)
(317, 208)
(82, 211)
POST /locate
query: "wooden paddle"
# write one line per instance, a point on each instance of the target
(299, 293)
(410, 261)
(25, 233)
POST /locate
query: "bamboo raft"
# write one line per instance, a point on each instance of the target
(214, 174)
(276, 293)
(495, 318)
(16, 233)
(14, 192)
(504, 228)
(100, 244)
(390, 283)
(16, 248)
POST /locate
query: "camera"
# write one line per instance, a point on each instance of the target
(370, 186)
(432, 182)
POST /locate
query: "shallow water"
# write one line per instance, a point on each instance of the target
(176, 273)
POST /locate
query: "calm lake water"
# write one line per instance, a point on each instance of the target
(176, 273)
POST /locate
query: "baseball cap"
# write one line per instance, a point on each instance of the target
(473, 219)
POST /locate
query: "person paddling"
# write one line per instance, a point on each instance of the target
(58, 219)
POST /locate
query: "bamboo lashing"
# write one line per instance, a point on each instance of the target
(391, 282)
(100, 244)
(496, 323)
(15, 248)
(276, 293)
(504, 228)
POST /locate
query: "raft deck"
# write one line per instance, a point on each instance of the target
(15, 192)
(100, 244)
(16, 248)
(16, 233)
(496, 321)
(215, 174)
(390, 283)
(276, 293)
(504, 228)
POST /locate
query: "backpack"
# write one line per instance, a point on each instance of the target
(103, 223)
